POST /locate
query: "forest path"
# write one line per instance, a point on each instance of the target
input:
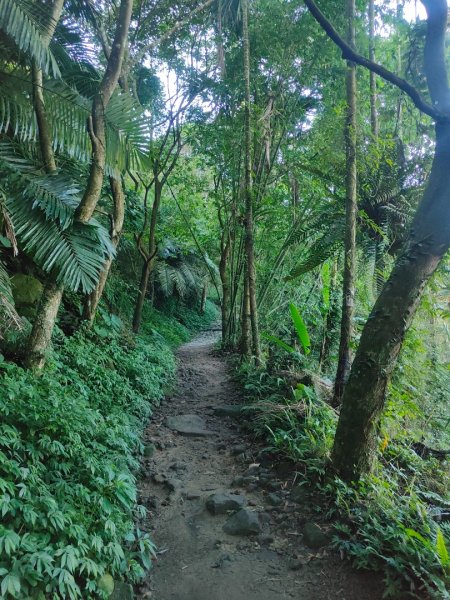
(197, 560)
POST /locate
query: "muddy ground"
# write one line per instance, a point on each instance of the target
(197, 559)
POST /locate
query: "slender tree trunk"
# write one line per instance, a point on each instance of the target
(149, 262)
(50, 300)
(348, 301)
(140, 301)
(331, 321)
(245, 345)
(355, 443)
(250, 269)
(373, 78)
(203, 299)
(118, 216)
(224, 278)
(44, 323)
(44, 127)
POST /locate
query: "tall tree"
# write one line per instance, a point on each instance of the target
(250, 310)
(43, 325)
(373, 80)
(348, 293)
(428, 241)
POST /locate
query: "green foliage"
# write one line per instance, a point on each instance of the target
(19, 19)
(68, 442)
(391, 523)
(300, 328)
(69, 446)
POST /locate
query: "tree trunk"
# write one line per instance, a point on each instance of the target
(348, 301)
(250, 268)
(373, 78)
(203, 299)
(330, 321)
(93, 299)
(149, 261)
(143, 287)
(224, 278)
(50, 300)
(44, 322)
(48, 309)
(354, 449)
(364, 398)
(245, 346)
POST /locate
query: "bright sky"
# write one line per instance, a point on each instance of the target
(414, 9)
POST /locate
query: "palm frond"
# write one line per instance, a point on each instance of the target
(75, 255)
(127, 132)
(42, 211)
(8, 315)
(18, 20)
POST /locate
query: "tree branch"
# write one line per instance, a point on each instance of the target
(178, 25)
(349, 54)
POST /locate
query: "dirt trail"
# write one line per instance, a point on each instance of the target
(197, 560)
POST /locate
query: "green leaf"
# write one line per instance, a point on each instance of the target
(280, 343)
(441, 548)
(11, 585)
(300, 327)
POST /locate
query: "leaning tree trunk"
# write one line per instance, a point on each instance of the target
(348, 300)
(250, 267)
(118, 216)
(44, 323)
(355, 443)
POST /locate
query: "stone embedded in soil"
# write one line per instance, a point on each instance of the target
(159, 478)
(299, 494)
(244, 522)
(188, 425)
(122, 591)
(274, 499)
(229, 410)
(219, 504)
(238, 449)
(314, 537)
(193, 495)
(149, 450)
(174, 484)
(252, 471)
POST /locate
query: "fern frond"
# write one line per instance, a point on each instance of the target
(320, 249)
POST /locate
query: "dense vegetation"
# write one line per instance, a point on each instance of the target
(157, 154)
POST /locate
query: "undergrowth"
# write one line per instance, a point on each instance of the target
(69, 457)
(395, 520)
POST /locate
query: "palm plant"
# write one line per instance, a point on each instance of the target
(42, 206)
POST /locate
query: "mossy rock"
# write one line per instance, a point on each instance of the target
(106, 584)
(26, 290)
